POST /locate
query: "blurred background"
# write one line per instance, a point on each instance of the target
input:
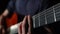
(55, 27)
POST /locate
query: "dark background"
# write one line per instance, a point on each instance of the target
(3, 5)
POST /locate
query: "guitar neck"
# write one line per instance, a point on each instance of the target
(47, 16)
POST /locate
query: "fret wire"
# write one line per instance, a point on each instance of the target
(54, 14)
(45, 19)
(34, 22)
(39, 21)
(39, 18)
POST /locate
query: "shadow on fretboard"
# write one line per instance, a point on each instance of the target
(54, 27)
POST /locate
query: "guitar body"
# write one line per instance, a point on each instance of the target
(12, 20)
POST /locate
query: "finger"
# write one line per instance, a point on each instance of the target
(24, 20)
(23, 25)
(20, 28)
(29, 23)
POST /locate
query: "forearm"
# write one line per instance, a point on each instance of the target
(5, 13)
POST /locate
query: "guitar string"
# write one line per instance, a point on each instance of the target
(45, 12)
(53, 12)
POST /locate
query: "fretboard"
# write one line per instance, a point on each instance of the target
(47, 16)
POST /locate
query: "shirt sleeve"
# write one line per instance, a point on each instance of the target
(11, 5)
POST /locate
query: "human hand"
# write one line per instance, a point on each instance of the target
(21, 29)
